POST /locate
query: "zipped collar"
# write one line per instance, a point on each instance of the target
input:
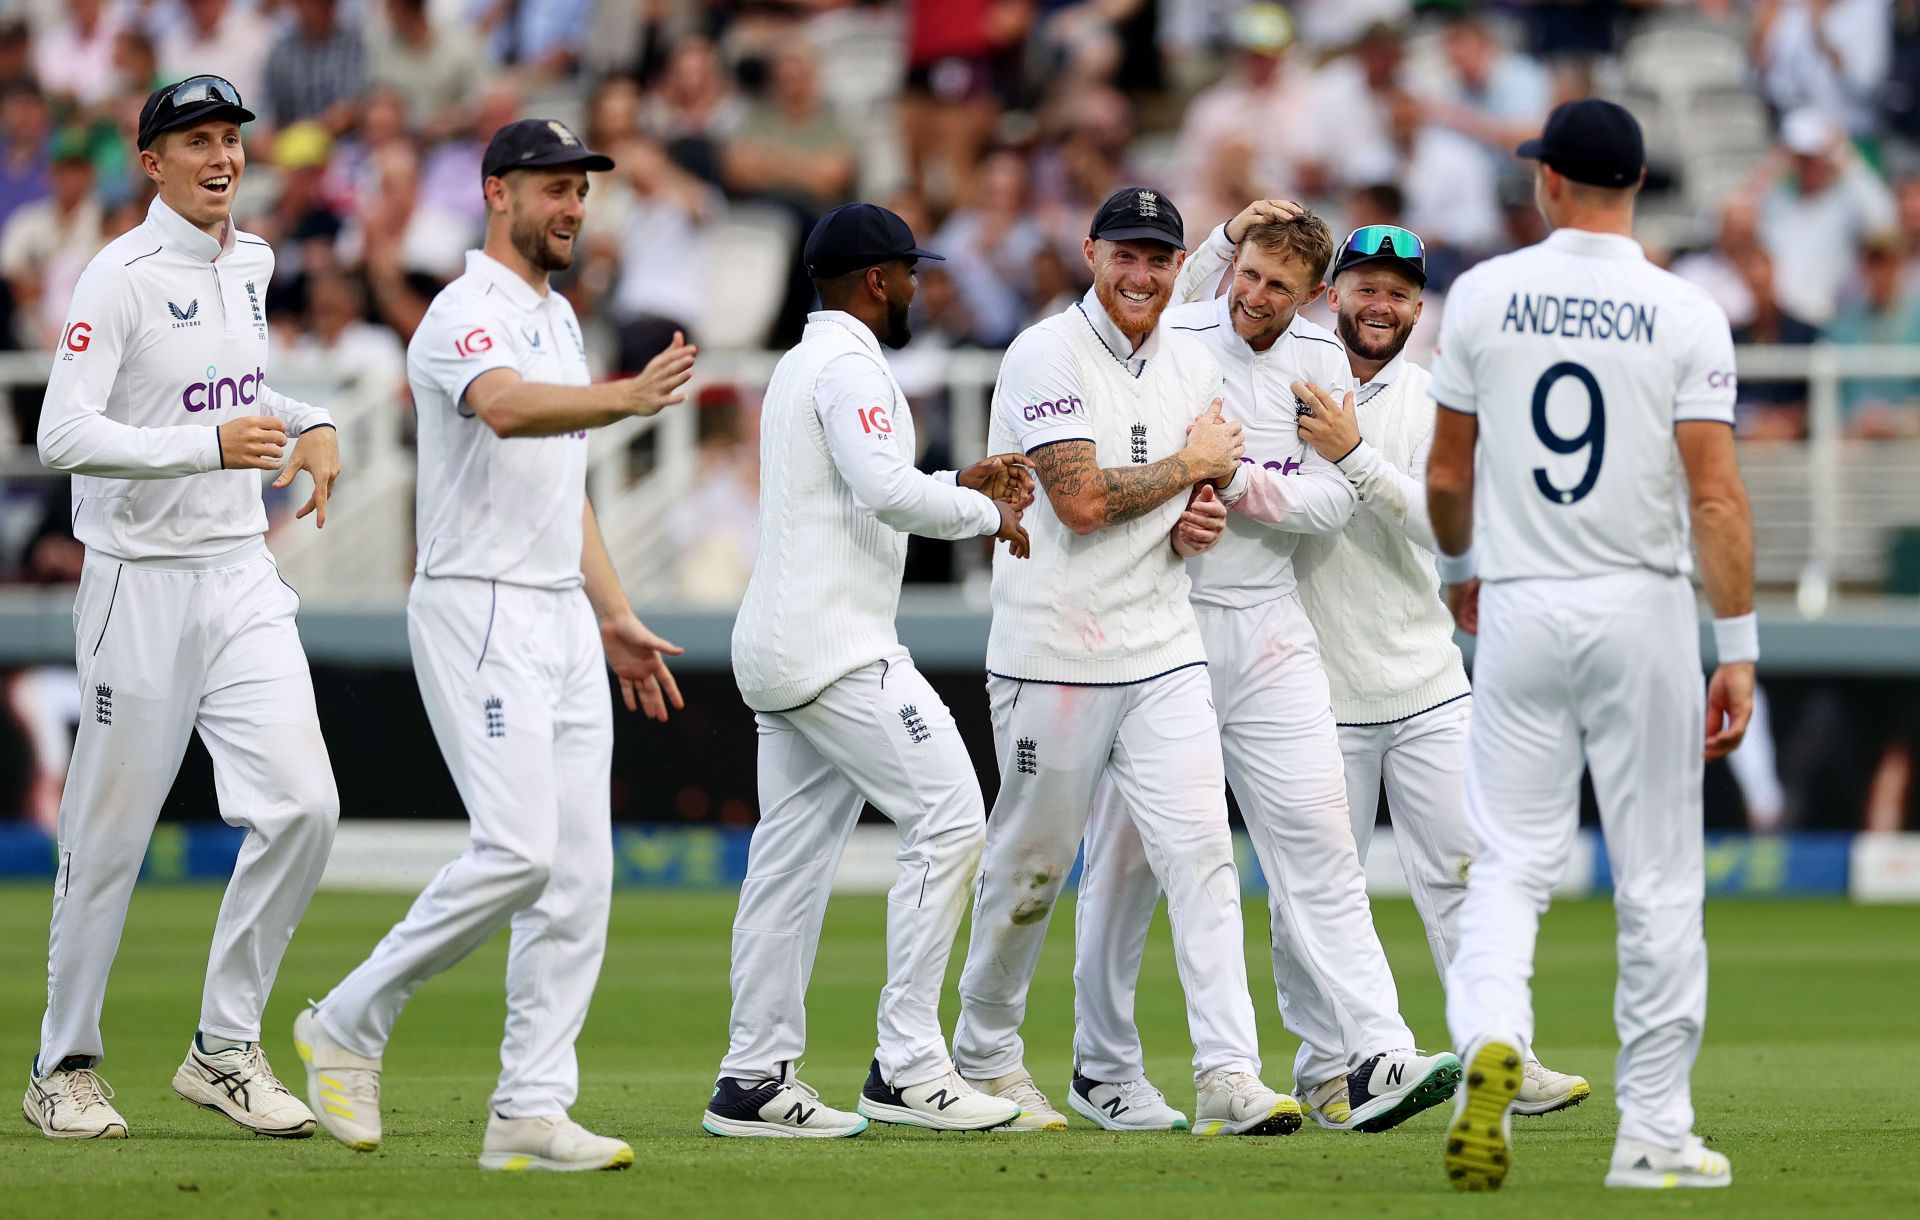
(182, 236)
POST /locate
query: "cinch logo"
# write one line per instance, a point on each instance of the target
(1721, 381)
(1286, 467)
(1038, 411)
(217, 391)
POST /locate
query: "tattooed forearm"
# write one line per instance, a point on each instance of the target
(1086, 497)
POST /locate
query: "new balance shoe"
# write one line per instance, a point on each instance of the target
(552, 1142)
(72, 1103)
(1327, 1103)
(1127, 1105)
(777, 1107)
(1480, 1137)
(1236, 1103)
(1645, 1166)
(946, 1103)
(239, 1083)
(1543, 1090)
(1036, 1112)
(343, 1088)
(1393, 1086)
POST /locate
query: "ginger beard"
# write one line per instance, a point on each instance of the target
(1374, 311)
(1133, 281)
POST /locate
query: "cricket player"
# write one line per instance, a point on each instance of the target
(844, 717)
(515, 613)
(1096, 669)
(1400, 692)
(1606, 387)
(158, 406)
(1357, 1067)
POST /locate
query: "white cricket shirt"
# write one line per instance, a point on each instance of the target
(838, 496)
(490, 507)
(165, 341)
(1579, 356)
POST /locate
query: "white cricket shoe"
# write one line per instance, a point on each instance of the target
(778, 1107)
(552, 1142)
(1036, 1112)
(945, 1103)
(343, 1088)
(240, 1084)
(1543, 1090)
(1480, 1137)
(1637, 1163)
(1393, 1086)
(1237, 1103)
(1127, 1105)
(72, 1103)
(1327, 1103)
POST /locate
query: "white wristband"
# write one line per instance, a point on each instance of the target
(1737, 640)
(1458, 569)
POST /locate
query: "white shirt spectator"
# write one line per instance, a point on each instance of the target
(39, 243)
(1797, 65)
(666, 261)
(1451, 191)
(236, 48)
(79, 64)
(1813, 238)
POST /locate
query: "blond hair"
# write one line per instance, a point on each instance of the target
(1306, 238)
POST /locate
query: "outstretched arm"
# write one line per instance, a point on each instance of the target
(512, 406)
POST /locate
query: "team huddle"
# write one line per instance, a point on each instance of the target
(1228, 535)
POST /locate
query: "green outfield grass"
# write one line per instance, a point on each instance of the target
(1808, 1081)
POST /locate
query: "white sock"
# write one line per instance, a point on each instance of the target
(213, 1046)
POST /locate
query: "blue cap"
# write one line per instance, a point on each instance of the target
(857, 235)
(1592, 141)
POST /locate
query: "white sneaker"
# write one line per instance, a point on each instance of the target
(240, 1084)
(1036, 1112)
(1128, 1105)
(1393, 1086)
(1543, 1090)
(779, 1107)
(1637, 1163)
(1480, 1137)
(342, 1087)
(1327, 1103)
(552, 1142)
(945, 1103)
(1236, 1103)
(72, 1104)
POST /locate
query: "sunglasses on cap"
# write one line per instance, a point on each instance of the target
(180, 104)
(201, 89)
(1369, 241)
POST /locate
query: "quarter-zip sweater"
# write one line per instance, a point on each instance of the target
(165, 341)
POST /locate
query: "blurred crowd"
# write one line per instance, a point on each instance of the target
(994, 126)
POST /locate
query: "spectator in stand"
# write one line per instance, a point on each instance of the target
(542, 38)
(1880, 309)
(1452, 192)
(47, 244)
(1907, 204)
(1326, 24)
(1770, 410)
(74, 58)
(1830, 56)
(438, 70)
(1262, 103)
(1351, 95)
(666, 252)
(948, 106)
(1493, 95)
(1818, 212)
(1721, 270)
(1072, 175)
(317, 70)
(218, 36)
(301, 226)
(337, 341)
(991, 245)
(451, 167)
(694, 109)
(16, 54)
(25, 129)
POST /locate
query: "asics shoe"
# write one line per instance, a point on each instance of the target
(240, 1084)
(72, 1103)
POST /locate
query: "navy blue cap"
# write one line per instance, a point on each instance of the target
(1139, 213)
(857, 235)
(538, 144)
(187, 102)
(1592, 141)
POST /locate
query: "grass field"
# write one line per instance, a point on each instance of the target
(1808, 1081)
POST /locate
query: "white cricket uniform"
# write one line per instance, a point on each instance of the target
(1096, 669)
(1400, 692)
(181, 621)
(1282, 751)
(843, 716)
(1579, 357)
(511, 669)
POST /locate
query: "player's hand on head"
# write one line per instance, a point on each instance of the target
(1214, 444)
(1329, 425)
(1011, 531)
(1464, 601)
(317, 451)
(1261, 212)
(1729, 708)
(638, 658)
(658, 385)
(252, 442)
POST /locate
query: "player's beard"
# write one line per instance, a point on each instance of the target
(1370, 344)
(529, 236)
(1271, 328)
(1119, 309)
(898, 332)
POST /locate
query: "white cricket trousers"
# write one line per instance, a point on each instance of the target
(1604, 670)
(1282, 753)
(879, 734)
(164, 647)
(1160, 745)
(1423, 762)
(515, 685)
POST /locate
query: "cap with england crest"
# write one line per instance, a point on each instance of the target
(1139, 213)
(539, 144)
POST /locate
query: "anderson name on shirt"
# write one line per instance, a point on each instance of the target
(1579, 318)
